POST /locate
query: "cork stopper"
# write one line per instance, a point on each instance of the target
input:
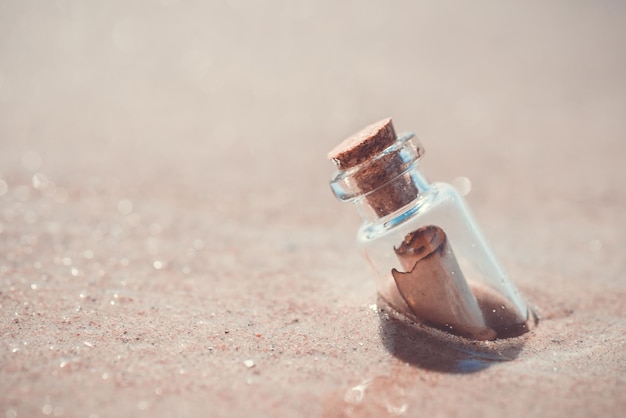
(381, 172)
(364, 144)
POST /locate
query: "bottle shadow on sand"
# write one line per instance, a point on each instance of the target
(438, 351)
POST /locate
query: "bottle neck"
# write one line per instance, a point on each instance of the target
(393, 198)
(384, 183)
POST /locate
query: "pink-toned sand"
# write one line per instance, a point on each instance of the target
(169, 245)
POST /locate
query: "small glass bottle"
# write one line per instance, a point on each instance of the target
(431, 262)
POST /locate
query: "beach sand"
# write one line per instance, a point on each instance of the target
(169, 244)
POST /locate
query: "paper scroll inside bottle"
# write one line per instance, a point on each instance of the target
(434, 287)
(438, 293)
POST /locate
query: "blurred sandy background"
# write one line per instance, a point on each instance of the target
(165, 212)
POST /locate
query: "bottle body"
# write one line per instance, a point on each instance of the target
(490, 306)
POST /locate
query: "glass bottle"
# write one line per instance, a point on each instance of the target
(431, 262)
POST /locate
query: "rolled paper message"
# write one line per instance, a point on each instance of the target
(434, 287)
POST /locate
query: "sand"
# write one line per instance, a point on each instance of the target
(169, 245)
